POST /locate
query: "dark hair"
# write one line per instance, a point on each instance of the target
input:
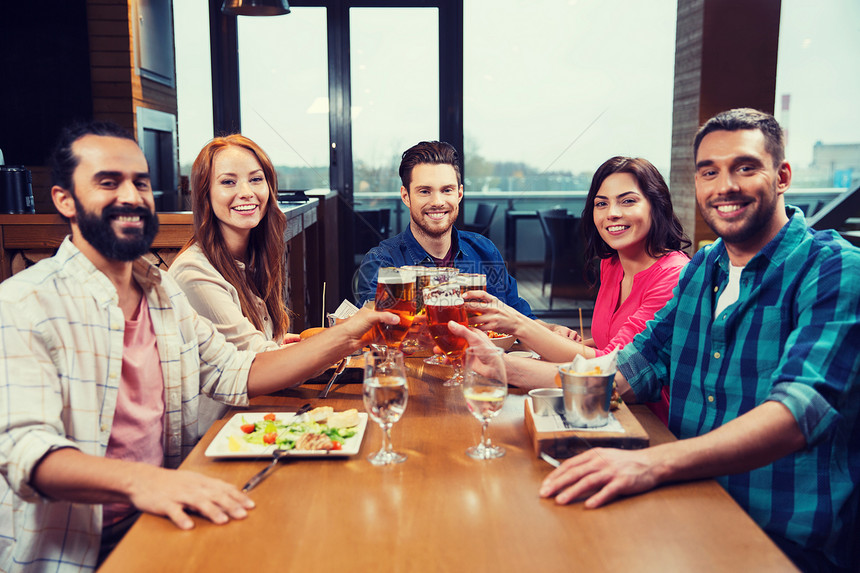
(265, 272)
(666, 233)
(63, 160)
(746, 118)
(433, 152)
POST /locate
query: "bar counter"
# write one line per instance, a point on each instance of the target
(443, 511)
(25, 239)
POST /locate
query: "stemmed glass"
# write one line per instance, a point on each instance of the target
(485, 387)
(443, 304)
(385, 395)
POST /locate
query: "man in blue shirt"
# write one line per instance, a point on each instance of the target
(760, 345)
(432, 190)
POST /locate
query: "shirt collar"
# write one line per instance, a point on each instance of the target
(79, 266)
(417, 252)
(775, 251)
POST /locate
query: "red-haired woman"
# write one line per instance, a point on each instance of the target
(233, 268)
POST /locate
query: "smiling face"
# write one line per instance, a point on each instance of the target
(739, 191)
(622, 215)
(111, 207)
(433, 199)
(239, 192)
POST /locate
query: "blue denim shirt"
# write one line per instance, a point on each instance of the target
(475, 254)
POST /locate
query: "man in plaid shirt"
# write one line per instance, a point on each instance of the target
(760, 345)
(102, 364)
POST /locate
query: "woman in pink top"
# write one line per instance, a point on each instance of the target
(629, 224)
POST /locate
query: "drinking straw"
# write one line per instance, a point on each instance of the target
(322, 323)
(580, 322)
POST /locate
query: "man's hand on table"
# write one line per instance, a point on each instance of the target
(602, 475)
(171, 492)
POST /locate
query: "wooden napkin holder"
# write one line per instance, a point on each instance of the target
(569, 442)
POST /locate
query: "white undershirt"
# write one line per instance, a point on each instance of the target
(730, 295)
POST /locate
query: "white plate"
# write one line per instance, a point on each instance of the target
(219, 447)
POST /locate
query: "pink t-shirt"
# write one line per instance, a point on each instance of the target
(138, 422)
(652, 289)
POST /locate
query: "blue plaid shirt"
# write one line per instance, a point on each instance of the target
(475, 254)
(793, 336)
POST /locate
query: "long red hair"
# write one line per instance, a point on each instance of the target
(265, 271)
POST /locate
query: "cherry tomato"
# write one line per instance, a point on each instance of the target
(336, 445)
(270, 438)
(269, 417)
(248, 428)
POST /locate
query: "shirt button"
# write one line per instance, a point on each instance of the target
(112, 376)
(710, 398)
(104, 428)
(716, 288)
(724, 316)
(717, 355)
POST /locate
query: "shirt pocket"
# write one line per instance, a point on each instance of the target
(765, 340)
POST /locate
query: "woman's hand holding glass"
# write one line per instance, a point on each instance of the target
(495, 315)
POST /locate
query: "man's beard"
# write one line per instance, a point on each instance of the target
(755, 223)
(98, 231)
(431, 232)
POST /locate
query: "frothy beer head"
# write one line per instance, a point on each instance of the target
(395, 276)
(472, 281)
(445, 294)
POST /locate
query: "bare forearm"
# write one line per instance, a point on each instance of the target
(71, 475)
(759, 437)
(293, 364)
(550, 346)
(529, 373)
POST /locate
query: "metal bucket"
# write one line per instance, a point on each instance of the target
(586, 398)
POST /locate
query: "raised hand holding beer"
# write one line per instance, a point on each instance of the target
(395, 292)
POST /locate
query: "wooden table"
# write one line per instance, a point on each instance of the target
(442, 511)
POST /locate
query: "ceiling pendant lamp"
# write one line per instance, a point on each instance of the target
(255, 7)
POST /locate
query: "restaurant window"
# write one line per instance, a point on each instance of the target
(816, 87)
(193, 80)
(541, 114)
(394, 72)
(553, 90)
(283, 82)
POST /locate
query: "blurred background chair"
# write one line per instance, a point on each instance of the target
(548, 246)
(483, 219)
(565, 261)
(371, 227)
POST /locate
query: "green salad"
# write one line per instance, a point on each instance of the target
(271, 431)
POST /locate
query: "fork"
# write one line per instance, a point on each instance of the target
(337, 371)
(549, 459)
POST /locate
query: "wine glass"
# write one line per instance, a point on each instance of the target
(443, 304)
(385, 395)
(395, 292)
(485, 387)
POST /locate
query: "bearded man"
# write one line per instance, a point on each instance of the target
(102, 366)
